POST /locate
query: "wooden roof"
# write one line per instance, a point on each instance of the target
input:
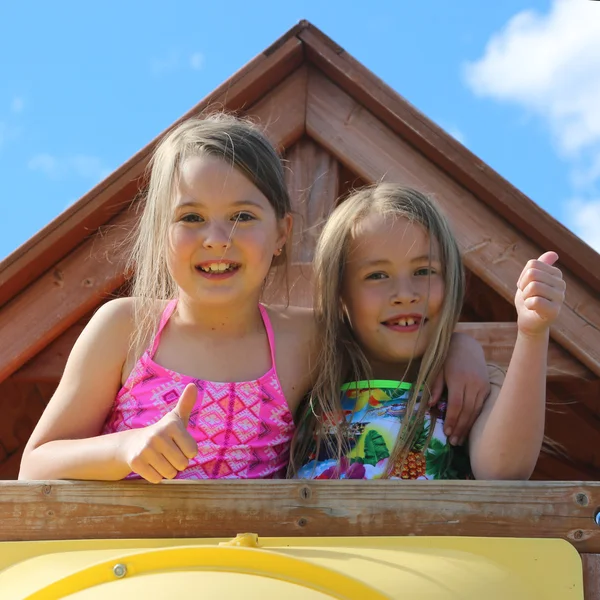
(338, 125)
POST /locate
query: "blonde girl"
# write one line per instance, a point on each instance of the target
(193, 377)
(389, 292)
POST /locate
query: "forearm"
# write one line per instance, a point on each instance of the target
(98, 458)
(507, 437)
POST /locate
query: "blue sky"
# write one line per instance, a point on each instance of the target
(85, 86)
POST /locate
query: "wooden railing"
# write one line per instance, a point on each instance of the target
(85, 510)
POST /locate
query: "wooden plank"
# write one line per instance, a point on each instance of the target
(312, 180)
(449, 154)
(77, 510)
(77, 284)
(492, 249)
(108, 198)
(498, 341)
(591, 576)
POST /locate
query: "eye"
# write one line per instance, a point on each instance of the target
(243, 217)
(192, 218)
(376, 276)
(425, 271)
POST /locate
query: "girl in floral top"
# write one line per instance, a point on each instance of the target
(389, 292)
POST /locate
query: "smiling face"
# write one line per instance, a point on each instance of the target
(393, 291)
(224, 233)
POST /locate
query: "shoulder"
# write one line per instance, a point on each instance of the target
(293, 319)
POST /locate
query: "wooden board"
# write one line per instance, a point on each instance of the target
(497, 339)
(591, 576)
(71, 510)
(492, 249)
(312, 180)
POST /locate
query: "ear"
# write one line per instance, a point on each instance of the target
(285, 230)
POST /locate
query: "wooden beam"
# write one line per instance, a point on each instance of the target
(591, 576)
(498, 341)
(109, 197)
(77, 510)
(78, 283)
(449, 154)
(492, 249)
(312, 179)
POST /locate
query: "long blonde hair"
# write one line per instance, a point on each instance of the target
(341, 357)
(236, 141)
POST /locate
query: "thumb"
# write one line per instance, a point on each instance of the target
(186, 403)
(549, 258)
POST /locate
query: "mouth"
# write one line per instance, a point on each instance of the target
(217, 268)
(405, 323)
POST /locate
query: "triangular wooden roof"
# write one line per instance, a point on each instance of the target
(337, 124)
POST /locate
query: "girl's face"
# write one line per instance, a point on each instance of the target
(224, 233)
(391, 288)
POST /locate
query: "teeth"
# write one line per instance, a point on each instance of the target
(216, 267)
(406, 322)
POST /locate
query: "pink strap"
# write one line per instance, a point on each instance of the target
(163, 321)
(270, 336)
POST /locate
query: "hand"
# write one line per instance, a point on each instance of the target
(161, 450)
(466, 377)
(540, 295)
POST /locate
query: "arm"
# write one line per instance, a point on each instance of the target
(465, 375)
(64, 444)
(507, 438)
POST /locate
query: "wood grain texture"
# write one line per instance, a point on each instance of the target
(312, 181)
(492, 249)
(76, 510)
(591, 576)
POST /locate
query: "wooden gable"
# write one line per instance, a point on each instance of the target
(338, 127)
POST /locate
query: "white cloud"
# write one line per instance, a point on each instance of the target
(583, 216)
(17, 104)
(549, 64)
(79, 165)
(175, 61)
(457, 134)
(197, 61)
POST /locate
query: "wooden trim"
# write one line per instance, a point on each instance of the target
(76, 285)
(450, 155)
(492, 249)
(77, 510)
(591, 576)
(108, 198)
(497, 339)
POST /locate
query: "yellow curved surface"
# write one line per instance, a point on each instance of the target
(290, 568)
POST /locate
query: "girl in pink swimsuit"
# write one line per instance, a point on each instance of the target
(192, 377)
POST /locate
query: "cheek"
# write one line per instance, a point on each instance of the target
(181, 239)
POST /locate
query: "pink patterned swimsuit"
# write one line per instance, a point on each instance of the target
(243, 429)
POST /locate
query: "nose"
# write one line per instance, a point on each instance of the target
(404, 292)
(217, 236)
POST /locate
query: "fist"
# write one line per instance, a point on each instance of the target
(540, 295)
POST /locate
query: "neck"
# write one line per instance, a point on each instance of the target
(230, 319)
(396, 371)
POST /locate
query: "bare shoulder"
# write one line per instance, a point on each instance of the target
(294, 319)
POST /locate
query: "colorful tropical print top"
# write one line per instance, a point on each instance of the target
(374, 411)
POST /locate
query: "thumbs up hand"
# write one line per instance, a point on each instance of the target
(540, 295)
(161, 450)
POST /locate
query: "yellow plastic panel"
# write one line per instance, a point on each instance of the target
(289, 568)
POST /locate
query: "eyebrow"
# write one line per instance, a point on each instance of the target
(385, 261)
(237, 203)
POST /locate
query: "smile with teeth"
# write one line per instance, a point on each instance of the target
(408, 321)
(217, 267)
(405, 322)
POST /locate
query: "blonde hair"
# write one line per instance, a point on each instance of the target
(341, 357)
(236, 141)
